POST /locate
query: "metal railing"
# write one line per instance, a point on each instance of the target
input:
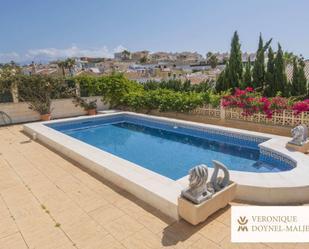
(5, 119)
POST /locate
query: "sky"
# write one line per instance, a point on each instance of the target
(52, 29)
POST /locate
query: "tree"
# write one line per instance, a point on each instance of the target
(62, 66)
(259, 64)
(69, 64)
(126, 55)
(143, 60)
(270, 75)
(212, 60)
(299, 81)
(247, 79)
(9, 79)
(302, 77)
(235, 69)
(39, 90)
(295, 83)
(289, 57)
(280, 74)
(221, 84)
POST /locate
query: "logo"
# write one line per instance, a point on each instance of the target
(270, 224)
(242, 221)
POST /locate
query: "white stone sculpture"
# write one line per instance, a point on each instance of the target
(197, 190)
(300, 135)
(217, 183)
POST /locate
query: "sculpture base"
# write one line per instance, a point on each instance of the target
(197, 200)
(197, 213)
(301, 148)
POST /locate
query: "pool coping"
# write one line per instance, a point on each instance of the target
(161, 192)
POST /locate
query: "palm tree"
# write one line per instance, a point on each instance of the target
(70, 64)
(289, 58)
(62, 65)
(126, 54)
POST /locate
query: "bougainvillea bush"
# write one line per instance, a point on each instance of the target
(252, 102)
(301, 106)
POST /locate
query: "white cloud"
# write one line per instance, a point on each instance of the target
(48, 54)
(119, 48)
(11, 56)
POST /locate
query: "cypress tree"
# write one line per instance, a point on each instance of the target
(221, 84)
(270, 75)
(302, 80)
(235, 69)
(280, 74)
(247, 79)
(295, 88)
(259, 73)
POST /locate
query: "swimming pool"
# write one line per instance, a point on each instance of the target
(171, 150)
(263, 168)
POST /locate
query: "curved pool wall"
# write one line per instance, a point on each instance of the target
(284, 187)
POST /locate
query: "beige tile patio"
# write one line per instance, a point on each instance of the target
(152, 222)
(14, 241)
(143, 239)
(227, 244)
(123, 227)
(215, 231)
(7, 226)
(106, 242)
(179, 235)
(106, 214)
(85, 233)
(204, 243)
(92, 213)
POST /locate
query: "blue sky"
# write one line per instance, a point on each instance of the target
(55, 28)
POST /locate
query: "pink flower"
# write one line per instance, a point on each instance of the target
(249, 89)
(239, 92)
(240, 104)
(226, 103)
(300, 107)
(250, 99)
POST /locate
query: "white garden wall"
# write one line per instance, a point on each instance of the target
(61, 108)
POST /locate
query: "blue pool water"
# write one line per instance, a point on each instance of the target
(168, 151)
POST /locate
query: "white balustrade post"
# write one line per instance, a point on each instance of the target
(222, 110)
(14, 92)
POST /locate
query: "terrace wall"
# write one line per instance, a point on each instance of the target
(279, 124)
(61, 108)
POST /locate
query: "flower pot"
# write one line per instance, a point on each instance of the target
(92, 112)
(197, 213)
(45, 117)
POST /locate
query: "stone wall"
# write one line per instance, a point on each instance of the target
(61, 108)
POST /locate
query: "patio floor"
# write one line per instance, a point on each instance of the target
(47, 201)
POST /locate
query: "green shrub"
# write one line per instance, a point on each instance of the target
(163, 100)
(87, 85)
(115, 87)
(39, 90)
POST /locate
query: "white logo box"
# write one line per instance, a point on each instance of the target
(270, 224)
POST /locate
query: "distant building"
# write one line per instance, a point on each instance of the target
(245, 57)
(124, 55)
(139, 55)
(162, 57)
(188, 57)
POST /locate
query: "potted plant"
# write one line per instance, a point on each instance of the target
(44, 108)
(38, 91)
(89, 106)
